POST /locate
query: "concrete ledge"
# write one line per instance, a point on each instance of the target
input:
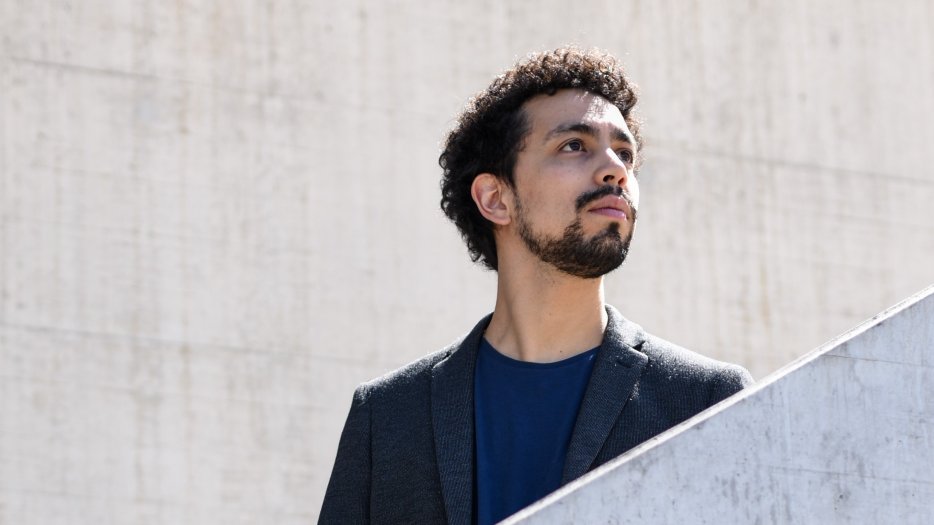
(843, 435)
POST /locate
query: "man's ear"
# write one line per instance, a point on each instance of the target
(493, 198)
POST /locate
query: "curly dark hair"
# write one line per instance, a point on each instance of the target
(489, 133)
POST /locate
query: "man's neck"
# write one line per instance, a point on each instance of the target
(545, 316)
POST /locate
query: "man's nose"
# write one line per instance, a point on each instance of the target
(613, 170)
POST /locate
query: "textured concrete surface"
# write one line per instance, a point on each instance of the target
(241, 197)
(845, 435)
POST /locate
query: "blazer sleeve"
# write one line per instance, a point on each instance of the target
(730, 381)
(347, 499)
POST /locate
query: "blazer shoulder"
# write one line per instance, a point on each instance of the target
(680, 363)
(403, 380)
(416, 376)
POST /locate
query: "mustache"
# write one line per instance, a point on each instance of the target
(587, 197)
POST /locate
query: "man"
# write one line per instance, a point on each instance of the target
(539, 177)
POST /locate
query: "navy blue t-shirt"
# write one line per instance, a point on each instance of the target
(524, 414)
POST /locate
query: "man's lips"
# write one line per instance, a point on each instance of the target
(610, 212)
(612, 206)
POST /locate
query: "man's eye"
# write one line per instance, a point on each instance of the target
(574, 145)
(626, 156)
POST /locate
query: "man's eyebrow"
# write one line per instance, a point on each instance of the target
(619, 134)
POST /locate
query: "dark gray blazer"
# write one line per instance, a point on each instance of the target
(407, 451)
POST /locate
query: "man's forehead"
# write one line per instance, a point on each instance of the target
(568, 107)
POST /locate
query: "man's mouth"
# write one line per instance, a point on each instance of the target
(608, 201)
(614, 206)
(614, 213)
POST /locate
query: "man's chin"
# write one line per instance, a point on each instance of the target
(612, 234)
(579, 254)
(619, 228)
(605, 253)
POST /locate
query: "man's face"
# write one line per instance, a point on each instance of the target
(575, 194)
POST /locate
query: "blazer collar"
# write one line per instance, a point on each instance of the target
(615, 373)
(453, 423)
(617, 368)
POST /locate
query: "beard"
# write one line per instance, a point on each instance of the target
(572, 252)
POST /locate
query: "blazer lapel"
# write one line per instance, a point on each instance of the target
(453, 426)
(615, 374)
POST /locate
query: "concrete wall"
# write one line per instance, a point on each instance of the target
(845, 435)
(216, 218)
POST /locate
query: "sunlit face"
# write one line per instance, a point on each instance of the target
(576, 197)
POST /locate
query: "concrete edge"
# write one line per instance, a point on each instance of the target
(739, 397)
